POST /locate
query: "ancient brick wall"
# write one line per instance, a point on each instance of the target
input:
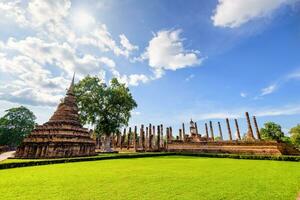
(234, 147)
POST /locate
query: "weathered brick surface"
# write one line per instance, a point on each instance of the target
(235, 147)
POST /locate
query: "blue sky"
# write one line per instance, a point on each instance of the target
(205, 60)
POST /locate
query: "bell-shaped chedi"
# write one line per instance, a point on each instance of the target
(62, 136)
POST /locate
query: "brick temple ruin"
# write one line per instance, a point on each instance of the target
(62, 136)
(152, 138)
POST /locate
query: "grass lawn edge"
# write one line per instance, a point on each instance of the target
(27, 163)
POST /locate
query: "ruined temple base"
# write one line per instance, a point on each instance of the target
(234, 147)
(55, 150)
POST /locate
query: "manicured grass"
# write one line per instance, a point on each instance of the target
(14, 160)
(170, 177)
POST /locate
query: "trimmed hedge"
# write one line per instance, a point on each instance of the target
(241, 156)
(79, 159)
(143, 155)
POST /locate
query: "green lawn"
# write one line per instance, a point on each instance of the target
(171, 177)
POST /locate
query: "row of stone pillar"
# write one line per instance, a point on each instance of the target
(249, 135)
(209, 131)
(152, 137)
(148, 138)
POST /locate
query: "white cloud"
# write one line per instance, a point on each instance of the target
(135, 79)
(52, 20)
(243, 94)
(284, 110)
(102, 39)
(295, 75)
(12, 10)
(31, 83)
(166, 51)
(231, 113)
(190, 77)
(268, 90)
(135, 113)
(61, 55)
(126, 44)
(234, 13)
(48, 11)
(217, 115)
(53, 45)
(39, 65)
(132, 79)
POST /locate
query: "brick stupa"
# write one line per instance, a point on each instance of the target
(62, 136)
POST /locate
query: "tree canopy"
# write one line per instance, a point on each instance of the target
(107, 107)
(295, 135)
(272, 131)
(16, 124)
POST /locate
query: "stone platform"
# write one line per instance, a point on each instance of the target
(234, 147)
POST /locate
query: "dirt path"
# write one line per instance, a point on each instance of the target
(298, 198)
(6, 155)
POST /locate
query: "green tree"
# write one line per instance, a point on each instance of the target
(272, 131)
(295, 135)
(107, 108)
(217, 138)
(16, 124)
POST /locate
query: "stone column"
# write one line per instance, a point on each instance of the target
(206, 131)
(180, 134)
(229, 129)
(150, 137)
(250, 131)
(119, 139)
(211, 130)
(183, 132)
(143, 137)
(168, 138)
(168, 134)
(153, 138)
(123, 138)
(256, 128)
(115, 140)
(237, 129)
(161, 135)
(147, 138)
(135, 138)
(158, 138)
(220, 131)
(196, 128)
(128, 138)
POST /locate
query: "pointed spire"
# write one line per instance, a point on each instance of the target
(70, 90)
(73, 79)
